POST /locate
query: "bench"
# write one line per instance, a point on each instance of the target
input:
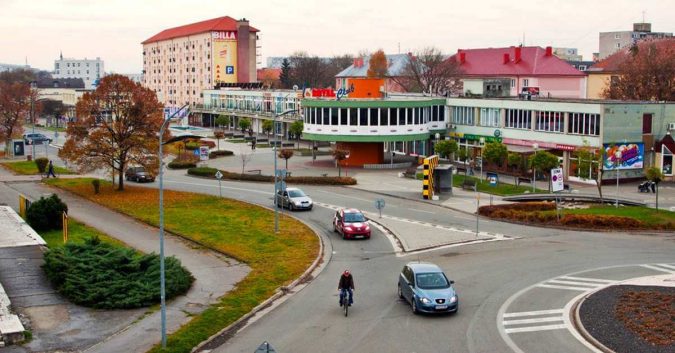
(520, 180)
(469, 184)
(254, 171)
(324, 175)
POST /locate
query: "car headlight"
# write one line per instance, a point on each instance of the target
(367, 227)
(425, 301)
(349, 229)
(297, 203)
(453, 299)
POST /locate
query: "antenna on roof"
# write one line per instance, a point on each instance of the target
(399, 46)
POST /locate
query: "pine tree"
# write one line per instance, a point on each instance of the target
(285, 76)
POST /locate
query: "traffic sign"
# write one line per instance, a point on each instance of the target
(493, 180)
(379, 204)
(219, 175)
(265, 348)
(557, 182)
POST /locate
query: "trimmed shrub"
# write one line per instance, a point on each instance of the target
(601, 221)
(181, 164)
(210, 144)
(105, 276)
(307, 180)
(41, 164)
(46, 213)
(191, 146)
(222, 153)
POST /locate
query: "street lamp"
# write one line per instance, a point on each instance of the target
(276, 209)
(617, 159)
(482, 143)
(161, 224)
(33, 85)
(535, 146)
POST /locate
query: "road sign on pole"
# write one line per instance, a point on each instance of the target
(379, 204)
(265, 348)
(557, 182)
(219, 176)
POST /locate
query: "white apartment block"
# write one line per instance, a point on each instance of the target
(89, 70)
(612, 42)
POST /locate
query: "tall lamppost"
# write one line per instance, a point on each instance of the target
(274, 128)
(535, 146)
(33, 85)
(482, 143)
(617, 159)
(161, 224)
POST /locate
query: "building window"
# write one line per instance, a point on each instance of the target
(618, 45)
(513, 83)
(583, 124)
(394, 114)
(582, 67)
(463, 115)
(344, 121)
(363, 116)
(518, 119)
(374, 115)
(526, 82)
(353, 117)
(549, 121)
(489, 117)
(617, 35)
(334, 116)
(384, 116)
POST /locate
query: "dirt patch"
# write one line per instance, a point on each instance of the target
(48, 317)
(649, 314)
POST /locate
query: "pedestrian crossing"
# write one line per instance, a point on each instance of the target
(531, 321)
(667, 268)
(575, 283)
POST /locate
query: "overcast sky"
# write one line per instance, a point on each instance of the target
(113, 30)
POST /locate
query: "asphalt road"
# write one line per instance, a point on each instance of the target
(486, 276)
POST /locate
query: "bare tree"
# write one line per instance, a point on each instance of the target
(245, 157)
(286, 154)
(431, 72)
(339, 155)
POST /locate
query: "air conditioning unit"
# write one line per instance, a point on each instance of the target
(671, 126)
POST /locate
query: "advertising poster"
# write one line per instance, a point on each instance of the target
(18, 147)
(632, 156)
(203, 153)
(224, 54)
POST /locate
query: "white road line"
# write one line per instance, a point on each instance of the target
(563, 287)
(585, 279)
(656, 268)
(535, 328)
(573, 283)
(412, 209)
(667, 266)
(534, 313)
(533, 321)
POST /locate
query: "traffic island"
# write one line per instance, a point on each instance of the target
(254, 175)
(629, 318)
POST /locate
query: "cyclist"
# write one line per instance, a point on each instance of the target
(346, 284)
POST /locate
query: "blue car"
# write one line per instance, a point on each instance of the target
(427, 289)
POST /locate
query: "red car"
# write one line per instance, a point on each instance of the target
(351, 223)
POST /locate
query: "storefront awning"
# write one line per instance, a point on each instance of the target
(523, 149)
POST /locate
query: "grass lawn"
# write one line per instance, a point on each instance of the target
(77, 233)
(501, 189)
(648, 216)
(30, 168)
(240, 230)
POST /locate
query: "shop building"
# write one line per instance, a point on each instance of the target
(563, 127)
(180, 62)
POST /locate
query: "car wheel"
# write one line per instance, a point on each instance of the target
(400, 292)
(291, 207)
(413, 305)
(334, 228)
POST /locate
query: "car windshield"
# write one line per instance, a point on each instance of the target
(354, 217)
(432, 280)
(139, 170)
(296, 193)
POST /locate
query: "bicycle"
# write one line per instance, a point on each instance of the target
(344, 300)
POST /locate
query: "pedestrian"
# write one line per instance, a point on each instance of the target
(253, 145)
(50, 170)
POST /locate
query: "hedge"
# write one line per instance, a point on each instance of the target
(220, 153)
(181, 164)
(307, 180)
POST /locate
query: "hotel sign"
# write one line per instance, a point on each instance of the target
(472, 137)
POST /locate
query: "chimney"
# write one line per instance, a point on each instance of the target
(506, 58)
(549, 51)
(518, 54)
(462, 57)
(356, 62)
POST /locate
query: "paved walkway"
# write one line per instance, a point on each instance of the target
(214, 274)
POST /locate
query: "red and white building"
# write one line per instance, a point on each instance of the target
(506, 71)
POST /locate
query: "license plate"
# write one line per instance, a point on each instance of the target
(358, 236)
(441, 307)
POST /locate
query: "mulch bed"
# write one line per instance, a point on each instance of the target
(632, 318)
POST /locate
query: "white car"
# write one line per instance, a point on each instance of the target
(293, 199)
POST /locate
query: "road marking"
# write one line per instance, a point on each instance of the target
(534, 317)
(534, 313)
(412, 209)
(656, 267)
(582, 284)
(552, 286)
(667, 266)
(586, 279)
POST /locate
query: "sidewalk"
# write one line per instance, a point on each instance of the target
(214, 274)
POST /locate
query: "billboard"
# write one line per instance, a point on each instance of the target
(224, 54)
(632, 156)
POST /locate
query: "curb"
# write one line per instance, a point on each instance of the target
(319, 265)
(409, 199)
(579, 327)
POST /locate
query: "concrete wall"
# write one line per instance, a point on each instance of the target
(596, 84)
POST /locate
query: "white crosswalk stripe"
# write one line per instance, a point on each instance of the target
(660, 267)
(575, 283)
(532, 321)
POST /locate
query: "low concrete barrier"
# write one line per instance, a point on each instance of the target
(387, 166)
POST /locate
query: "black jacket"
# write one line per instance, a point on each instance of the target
(346, 282)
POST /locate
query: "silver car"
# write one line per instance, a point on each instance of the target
(293, 199)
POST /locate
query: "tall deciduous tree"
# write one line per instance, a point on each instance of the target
(378, 66)
(339, 155)
(15, 107)
(118, 125)
(223, 120)
(430, 71)
(495, 152)
(446, 148)
(267, 126)
(244, 124)
(589, 165)
(648, 73)
(543, 162)
(296, 129)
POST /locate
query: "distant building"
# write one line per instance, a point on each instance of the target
(567, 54)
(65, 90)
(138, 78)
(89, 70)
(581, 65)
(181, 62)
(611, 42)
(359, 70)
(274, 62)
(10, 67)
(518, 69)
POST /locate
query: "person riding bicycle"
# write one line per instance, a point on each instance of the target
(346, 284)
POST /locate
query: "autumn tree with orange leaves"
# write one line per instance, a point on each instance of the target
(378, 65)
(15, 107)
(647, 73)
(117, 126)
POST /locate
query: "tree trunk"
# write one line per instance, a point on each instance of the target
(120, 178)
(286, 163)
(657, 197)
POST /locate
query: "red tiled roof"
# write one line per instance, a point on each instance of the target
(225, 23)
(489, 62)
(612, 62)
(269, 73)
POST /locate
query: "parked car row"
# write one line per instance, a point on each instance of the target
(35, 139)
